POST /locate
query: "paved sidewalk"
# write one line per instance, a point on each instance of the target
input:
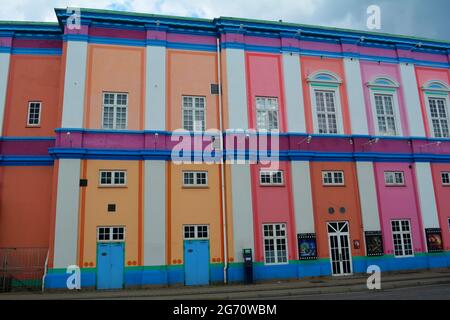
(305, 286)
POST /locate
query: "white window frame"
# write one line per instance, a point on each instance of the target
(395, 183)
(271, 174)
(401, 233)
(29, 113)
(111, 229)
(448, 177)
(333, 85)
(436, 89)
(274, 238)
(194, 110)
(196, 231)
(385, 86)
(115, 106)
(113, 183)
(195, 184)
(266, 111)
(333, 177)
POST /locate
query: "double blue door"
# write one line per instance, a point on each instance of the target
(196, 262)
(110, 265)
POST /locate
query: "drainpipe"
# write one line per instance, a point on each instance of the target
(45, 271)
(222, 168)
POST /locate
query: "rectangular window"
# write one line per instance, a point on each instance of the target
(110, 234)
(195, 178)
(439, 117)
(271, 177)
(34, 114)
(384, 106)
(394, 178)
(275, 244)
(194, 115)
(333, 178)
(326, 112)
(445, 177)
(196, 232)
(401, 232)
(113, 178)
(115, 110)
(267, 113)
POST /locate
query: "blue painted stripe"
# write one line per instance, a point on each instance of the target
(27, 139)
(37, 51)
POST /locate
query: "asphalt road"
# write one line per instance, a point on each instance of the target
(431, 292)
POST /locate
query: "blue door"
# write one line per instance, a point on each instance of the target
(110, 264)
(196, 262)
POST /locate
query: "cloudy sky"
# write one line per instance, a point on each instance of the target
(423, 18)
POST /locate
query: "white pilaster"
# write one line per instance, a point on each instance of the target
(425, 191)
(155, 106)
(74, 84)
(368, 196)
(354, 85)
(66, 223)
(303, 203)
(412, 100)
(293, 91)
(4, 74)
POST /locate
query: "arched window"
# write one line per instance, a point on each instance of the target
(326, 102)
(436, 102)
(385, 106)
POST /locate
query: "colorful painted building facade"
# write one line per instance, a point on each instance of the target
(90, 115)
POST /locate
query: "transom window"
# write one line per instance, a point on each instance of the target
(195, 178)
(34, 114)
(194, 113)
(401, 232)
(394, 178)
(115, 110)
(113, 177)
(110, 234)
(439, 117)
(275, 243)
(384, 105)
(445, 178)
(271, 177)
(326, 111)
(267, 113)
(196, 232)
(333, 178)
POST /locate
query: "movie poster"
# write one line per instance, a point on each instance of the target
(374, 243)
(307, 246)
(434, 240)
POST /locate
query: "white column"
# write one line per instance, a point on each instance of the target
(4, 74)
(412, 100)
(368, 196)
(66, 223)
(155, 106)
(155, 213)
(240, 174)
(303, 203)
(74, 84)
(293, 92)
(354, 85)
(425, 192)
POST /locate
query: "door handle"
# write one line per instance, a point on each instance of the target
(104, 254)
(190, 250)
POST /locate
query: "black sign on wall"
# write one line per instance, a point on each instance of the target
(307, 246)
(434, 240)
(374, 243)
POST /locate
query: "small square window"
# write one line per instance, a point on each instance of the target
(333, 178)
(394, 178)
(271, 178)
(34, 114)
(445, 176)
(113, 178)
(196, 232)
(195, 178)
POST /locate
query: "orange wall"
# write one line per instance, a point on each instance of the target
(194, 206)
(93, 209)
(191, 73)
(32, 78)
(115, 69)
(25, 206)
(346, 196)
(311, 65)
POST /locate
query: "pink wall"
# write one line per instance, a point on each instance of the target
(424, 75)
(442, 201)
(273, 204)
(264, 78)
(372, 70)
(399, 202)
